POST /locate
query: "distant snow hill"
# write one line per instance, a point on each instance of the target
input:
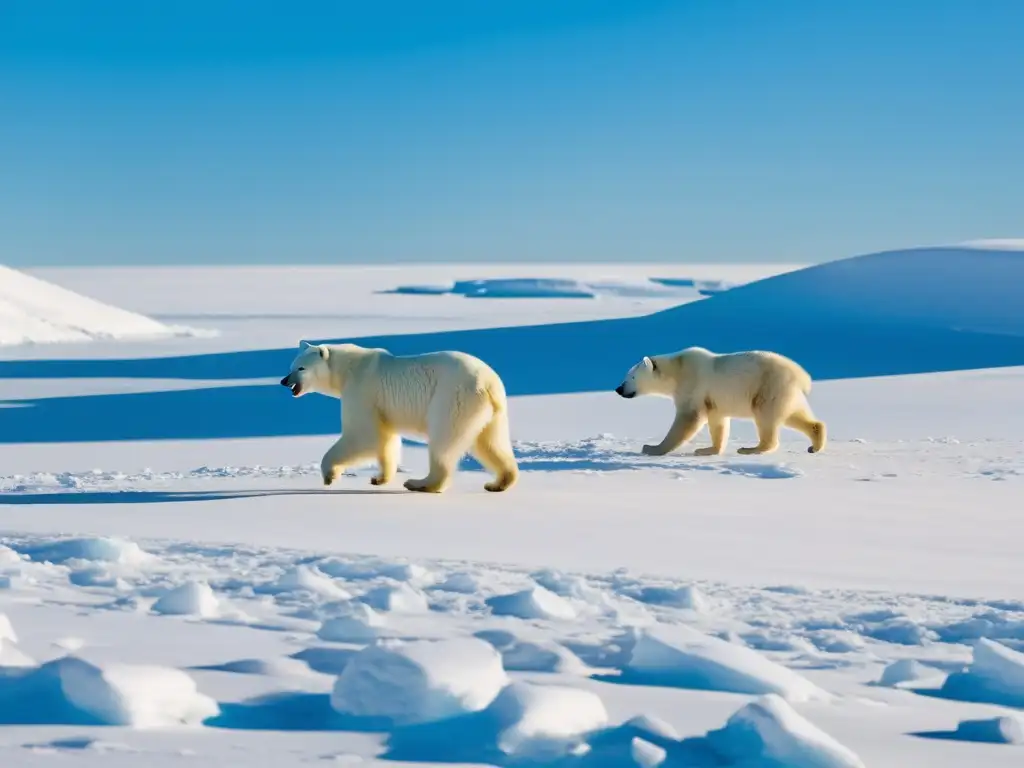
(33, 311)
(974, 287)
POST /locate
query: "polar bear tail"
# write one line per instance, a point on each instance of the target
(803, 379)
(800, 376)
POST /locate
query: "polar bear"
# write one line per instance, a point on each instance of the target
(708, 387)
(453, 399)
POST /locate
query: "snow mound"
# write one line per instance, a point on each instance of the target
(33, 311)
(11, 656)
(419, 682)
(646, 754)
(190, 599)
(687, 597)
(651, 726)
(89, 549)
(138, 696)
(277, 667)
(397, 598)
(1006, 729)
(460, 582)
(566, 288)
(7, 629)
(354, 623)
(541, 722)
(995, 675)
(907, 673)
(303, 578)
(769, 730)
(534, 603)
(972, 289)
(519, 655)
(683, 657)
(8, 557)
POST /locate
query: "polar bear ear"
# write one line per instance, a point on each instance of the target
(324, 352)
(648, 363)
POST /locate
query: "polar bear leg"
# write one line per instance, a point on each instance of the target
(493, 449)
(804, 421)
(686, 424)
(768, 427)
(389, 450)
(347, 450)
(453, 424)
(719, 428)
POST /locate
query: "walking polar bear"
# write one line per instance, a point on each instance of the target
(707, 387)
(454, 400)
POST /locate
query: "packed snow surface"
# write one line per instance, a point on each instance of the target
(33, 311)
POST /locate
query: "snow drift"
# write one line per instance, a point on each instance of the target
(419, 682)
(73, 691)
(139, 696)
(770, 732)
(995, 675)
(33, 311)
(683, 657)
(545, 721)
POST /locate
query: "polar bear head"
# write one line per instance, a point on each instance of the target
(648, 377)
(309, 371)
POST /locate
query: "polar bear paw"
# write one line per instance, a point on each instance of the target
(328, 474)
(422, 486)
(652, 450)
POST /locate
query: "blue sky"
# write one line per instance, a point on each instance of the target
(187, 131)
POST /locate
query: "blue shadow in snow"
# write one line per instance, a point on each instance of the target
(471, 738)
(165, 497)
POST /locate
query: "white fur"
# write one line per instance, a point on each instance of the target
(710, 388)
(454, 400)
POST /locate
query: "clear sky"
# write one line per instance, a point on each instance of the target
(185, 131)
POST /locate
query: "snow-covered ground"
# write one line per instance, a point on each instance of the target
(177, 587)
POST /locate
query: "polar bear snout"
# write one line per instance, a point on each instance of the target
(621, 392)
(292, 384)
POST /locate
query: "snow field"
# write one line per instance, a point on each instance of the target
(401, 670)
(664, 611)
